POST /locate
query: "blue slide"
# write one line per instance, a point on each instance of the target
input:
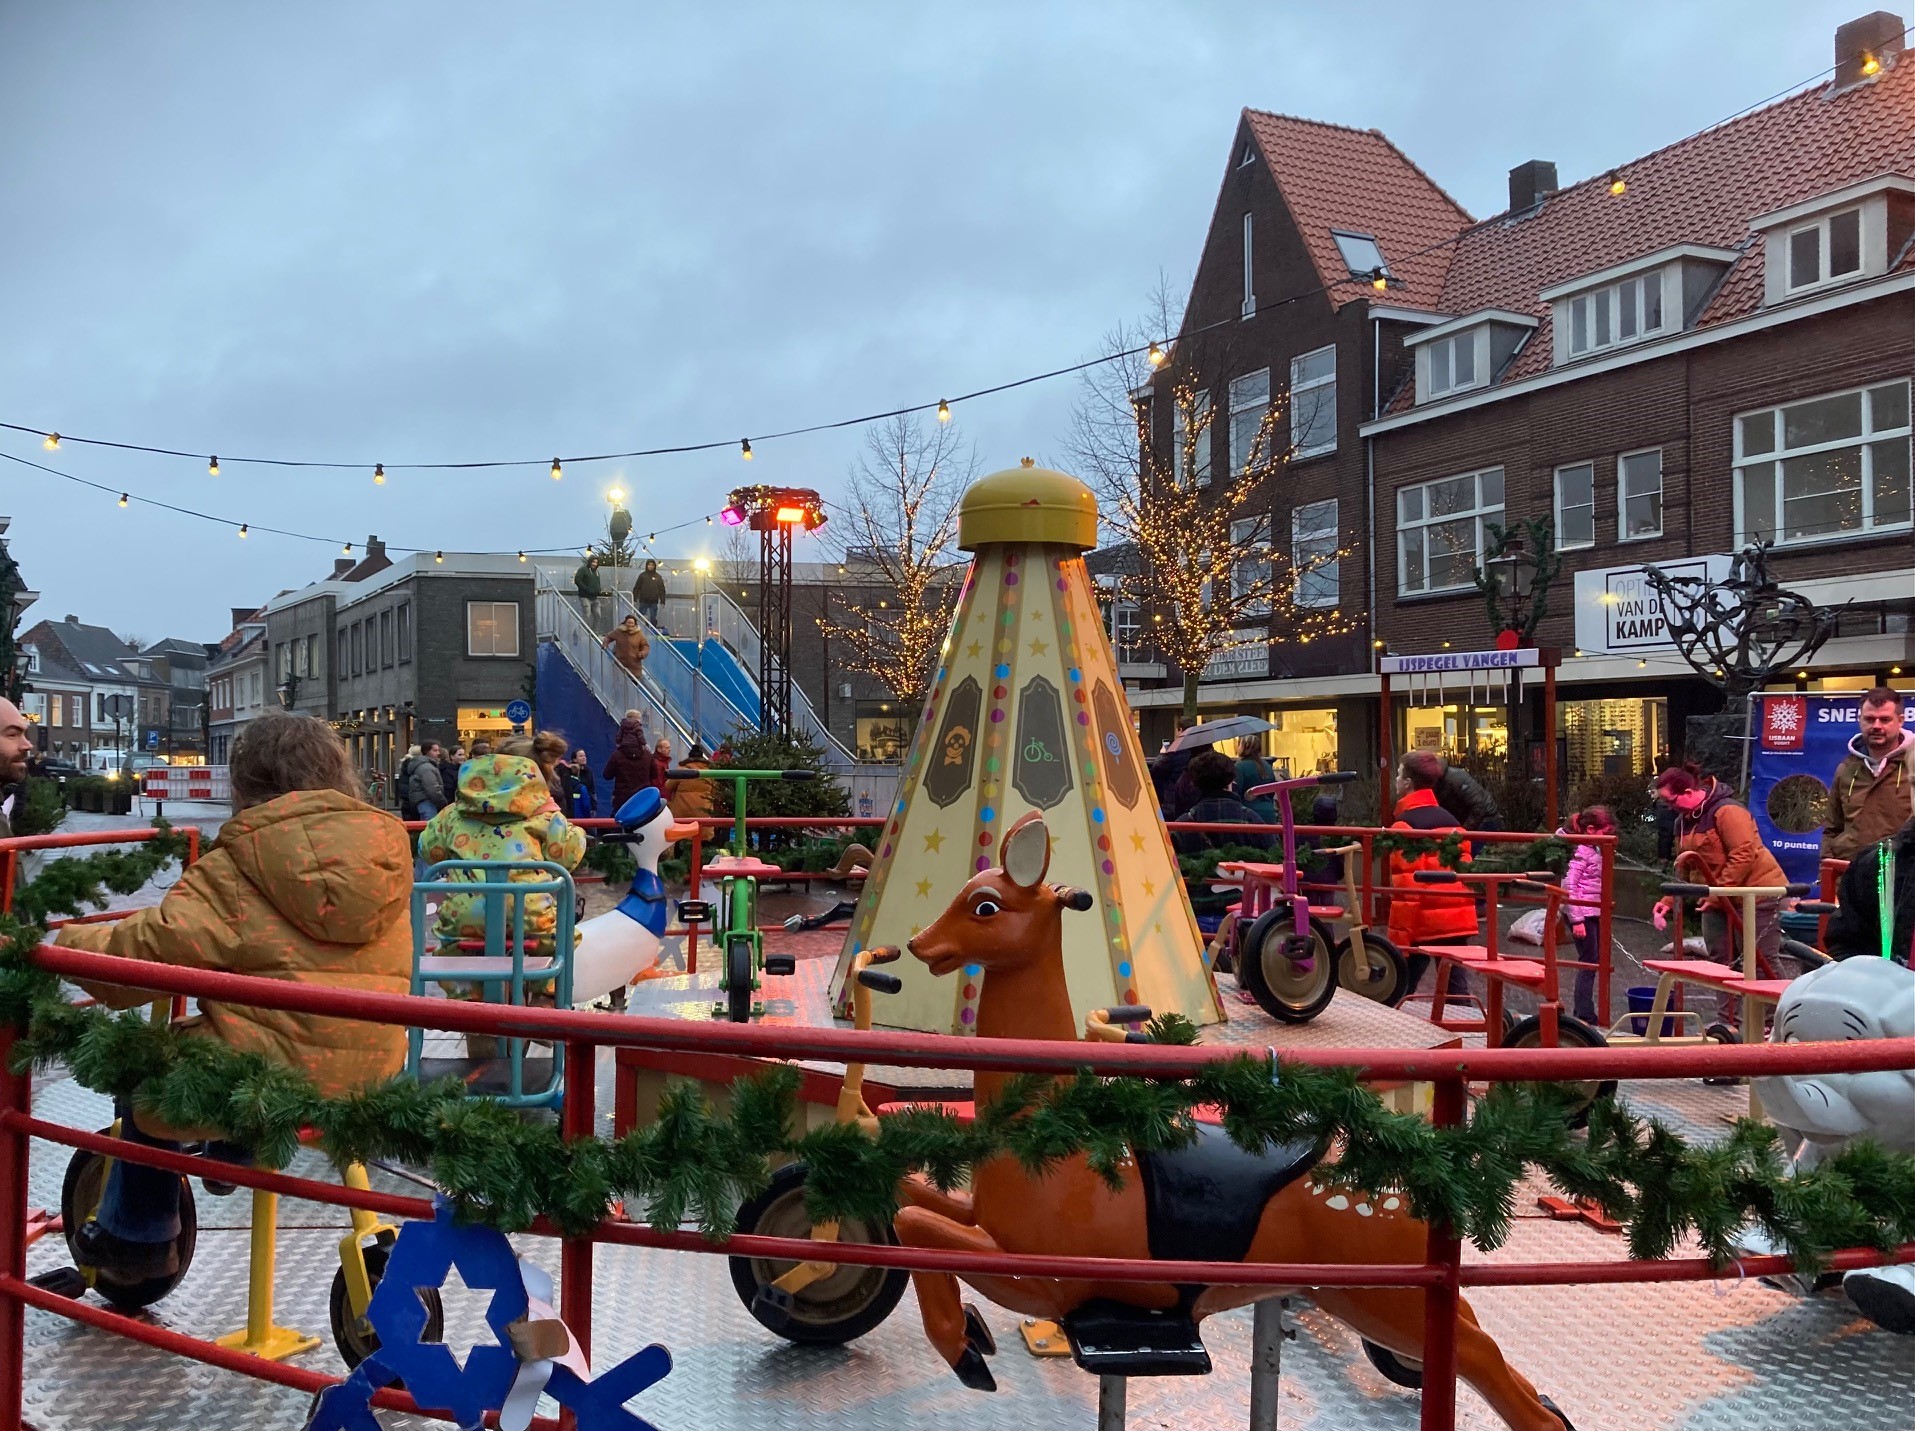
(566, 704)
(723, 673)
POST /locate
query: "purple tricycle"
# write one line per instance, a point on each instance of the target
(1283, 948)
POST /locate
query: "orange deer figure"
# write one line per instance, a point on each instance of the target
(1209, 1201)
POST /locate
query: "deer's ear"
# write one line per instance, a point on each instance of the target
(1026, 853)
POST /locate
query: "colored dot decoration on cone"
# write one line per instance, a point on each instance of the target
(1027, 716)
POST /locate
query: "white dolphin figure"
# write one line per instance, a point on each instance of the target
(622, 943)
(1862, 998)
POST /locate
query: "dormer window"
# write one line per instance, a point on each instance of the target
(1620, 313)
(1361, 254)
(1467, 352)
(1453, 365)
(1825, 251)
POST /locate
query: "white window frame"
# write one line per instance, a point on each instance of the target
(1310, 524)
(1625, 298)
(1820, 228)
(1382, 264)
(1248, 552)
(1563, 545)
(1481, 513)
(1241, 406)
(1865, 441)
(492, 610)
(1477, 339)
(1249, 282)
(1200, 450)
(1623, 494)
(1249, 155)
(1313, 386)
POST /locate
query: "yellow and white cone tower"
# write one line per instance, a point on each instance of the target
(1027, 713)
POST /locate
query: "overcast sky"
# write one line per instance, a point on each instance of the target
(459, 231)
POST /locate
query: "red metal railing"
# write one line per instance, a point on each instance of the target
(1442, 1275)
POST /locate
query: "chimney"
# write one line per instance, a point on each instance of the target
(72, 620)
(342, 565)
(375, 549)
(241, 615)
(1865, 47)
(1530, 183)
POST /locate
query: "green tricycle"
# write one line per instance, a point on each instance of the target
(739, 942)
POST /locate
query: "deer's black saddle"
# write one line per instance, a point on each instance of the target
(1203, 1201)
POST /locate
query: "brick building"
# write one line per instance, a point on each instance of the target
(1709, 346)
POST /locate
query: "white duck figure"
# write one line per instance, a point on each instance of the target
(622, 943)
(1860, 998)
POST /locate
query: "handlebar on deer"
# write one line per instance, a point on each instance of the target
(1107, 1025)
(1817, 906)
(880, 982)
(1808, 954)
(1731, 891)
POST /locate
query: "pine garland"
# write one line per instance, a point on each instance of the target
(694, 1164)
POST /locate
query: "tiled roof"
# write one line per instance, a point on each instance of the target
(1701, 190)
(94, 649)
(1334, 177)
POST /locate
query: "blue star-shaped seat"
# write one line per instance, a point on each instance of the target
(599, 1404)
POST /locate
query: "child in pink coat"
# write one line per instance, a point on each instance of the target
(1582, 882)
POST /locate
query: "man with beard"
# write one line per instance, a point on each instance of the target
(15, 746)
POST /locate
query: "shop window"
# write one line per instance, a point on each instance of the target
(883, 730)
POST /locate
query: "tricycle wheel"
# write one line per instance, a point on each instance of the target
(1377, 970)
(1291, 981)
(838, 1307)
(1570, 1033)
(1403, 1371)
(80, 1194)
(738, 972)
(356, 1340)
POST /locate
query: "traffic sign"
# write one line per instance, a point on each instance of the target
(518, 712)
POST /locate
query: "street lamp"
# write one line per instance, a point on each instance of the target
(618, 526)
(701, 568)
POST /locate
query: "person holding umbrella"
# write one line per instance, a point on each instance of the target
(1175, 792)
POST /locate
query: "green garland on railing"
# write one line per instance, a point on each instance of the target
(694, 1164)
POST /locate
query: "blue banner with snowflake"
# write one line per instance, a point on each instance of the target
(1799, 742)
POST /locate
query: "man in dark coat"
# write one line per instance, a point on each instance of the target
(1463, 795)
(649, 592)
(590, 587)
(425, 788)
(629, 767)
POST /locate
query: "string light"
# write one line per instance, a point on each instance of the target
(244, 530)
(347, 549)
(122, 499)
(212, 466)
(708, 521)
(378, 474)
(557, 471)
(1870, 65)
(944, 410)
(744, 448)
(1616, 184)
(52, 444)
(521, 557)
(1379, 280)
(1156, 356)
(439, 557)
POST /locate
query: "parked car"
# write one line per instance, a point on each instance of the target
(56, 768)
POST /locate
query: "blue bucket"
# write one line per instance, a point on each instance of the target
(1642, 998)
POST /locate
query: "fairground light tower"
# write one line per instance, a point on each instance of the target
(776, 514)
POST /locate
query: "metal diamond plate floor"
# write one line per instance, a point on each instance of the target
(1729, 1356)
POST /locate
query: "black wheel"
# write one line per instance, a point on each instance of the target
(1722, 1034)
(833, 1310)
(1289, 983)
(738, 980)
(1403, 1371)
(80, 1195)
(1376, 971)
(357, 1341)
(1570, 1033)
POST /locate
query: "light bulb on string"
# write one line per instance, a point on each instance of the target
(744, 448)
(1379, 280)
(378, 474)
(944, 410)
(1870, 65)
(439, 557)
(1156, 356)
(708, 521)
(122, 499)
(521, 556)
(347, 549)
(1617, 185)
(52, 443)
(557, 471)
(212, 466)
(243, 529)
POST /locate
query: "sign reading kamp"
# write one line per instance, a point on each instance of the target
(1618, 612)
(1460, 661)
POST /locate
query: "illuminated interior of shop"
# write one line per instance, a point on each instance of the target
(1299, 743)
(486, 723)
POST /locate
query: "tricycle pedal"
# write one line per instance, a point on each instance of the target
(781, 964)
(772, 1307)
(694, 911)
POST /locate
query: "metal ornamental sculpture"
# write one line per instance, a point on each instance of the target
(1743, 631)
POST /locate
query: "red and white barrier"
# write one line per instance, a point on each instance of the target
(186, 782)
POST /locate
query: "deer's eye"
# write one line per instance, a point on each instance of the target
(985, 908)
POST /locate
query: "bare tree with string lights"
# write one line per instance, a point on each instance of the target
(899, 531)
(1211, 575)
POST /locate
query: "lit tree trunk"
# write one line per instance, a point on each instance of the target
(1190, 694)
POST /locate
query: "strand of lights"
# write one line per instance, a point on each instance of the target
(124, 499)
(1153, 352)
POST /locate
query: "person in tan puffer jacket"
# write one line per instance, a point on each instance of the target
(306, 883)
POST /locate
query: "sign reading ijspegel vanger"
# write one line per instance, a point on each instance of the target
(1800, 735)
(1461, 661)
(1617, 611)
